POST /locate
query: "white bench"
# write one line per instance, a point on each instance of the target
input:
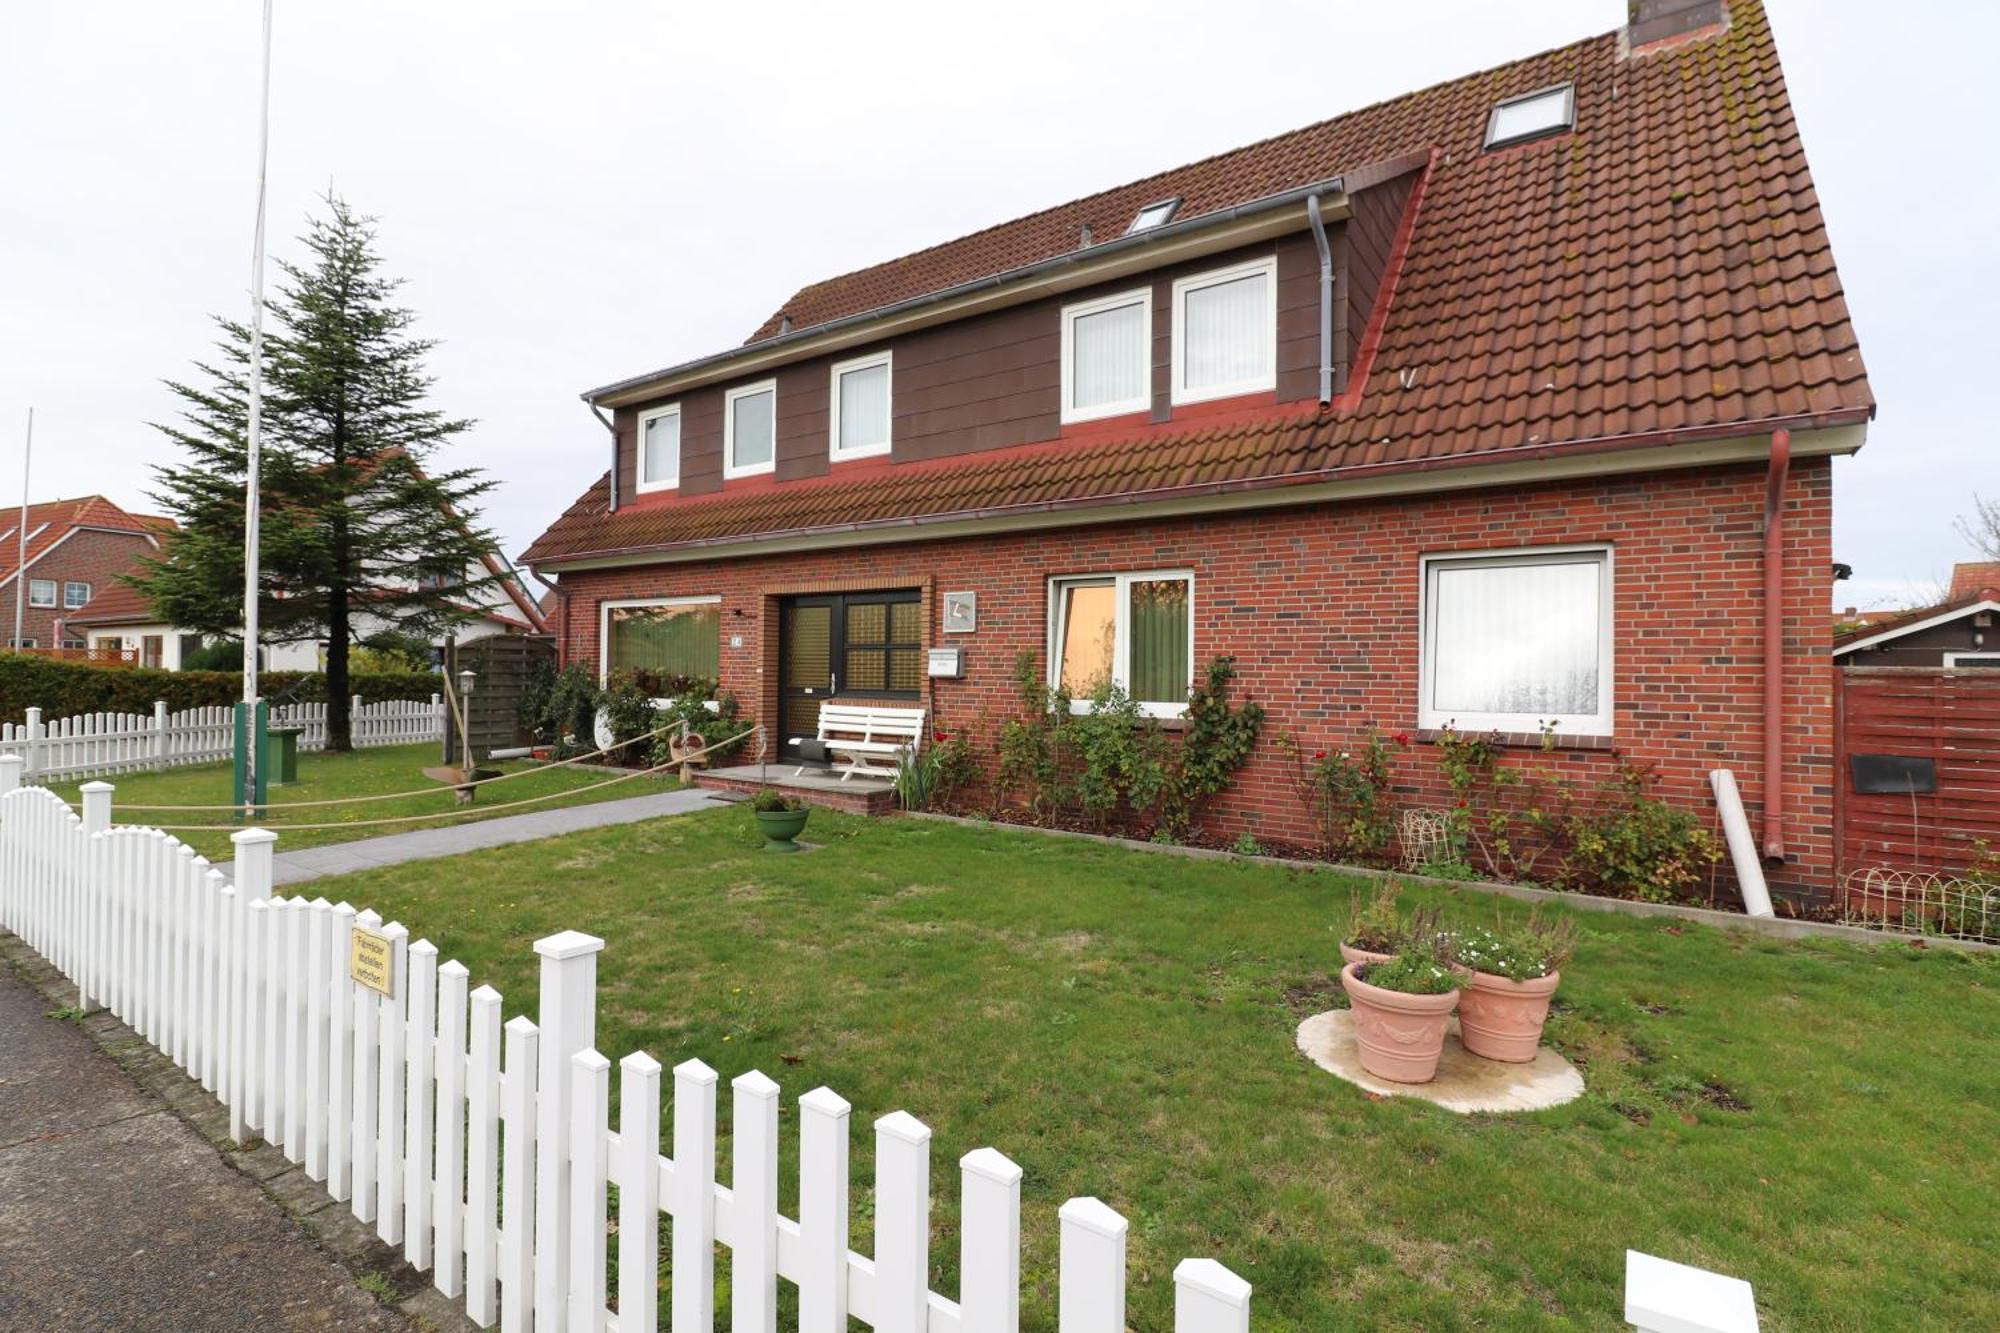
(859, 733)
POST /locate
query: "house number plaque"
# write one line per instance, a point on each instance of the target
(371, 961)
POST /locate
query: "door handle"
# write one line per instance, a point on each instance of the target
(833, 683)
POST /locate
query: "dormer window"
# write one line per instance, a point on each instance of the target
(858, 422)
(1154, 215)
(1226, 332)
(750, 429)
(660, 449)
(1106, 369)
(1532, 115)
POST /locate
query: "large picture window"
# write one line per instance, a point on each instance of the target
(1106, 371)
(750, 429)
(1132, 630)
(859, 412)
(1226, 332)
(660, 449)
(668, 637)
(1519, 641)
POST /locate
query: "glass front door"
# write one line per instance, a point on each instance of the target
(862, 645)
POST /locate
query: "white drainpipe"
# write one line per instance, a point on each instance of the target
(1742, 847)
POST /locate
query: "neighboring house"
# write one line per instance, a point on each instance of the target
(1962, 631)
(76, 550)
(1494, 453)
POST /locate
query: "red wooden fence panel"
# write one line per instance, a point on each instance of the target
(1950, 717)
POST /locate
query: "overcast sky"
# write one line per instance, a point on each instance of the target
(580, 192)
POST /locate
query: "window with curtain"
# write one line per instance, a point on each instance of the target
(660, 449)
(860, 415)
(1106, 368)
(673, 638)
(1515, 643)
(1132, 630)
(750, 429)
(1225, 332)
(41, 592)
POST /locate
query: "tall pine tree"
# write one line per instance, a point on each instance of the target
(358, 530)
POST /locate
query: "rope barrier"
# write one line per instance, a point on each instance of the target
(430, 791)
(446, 814)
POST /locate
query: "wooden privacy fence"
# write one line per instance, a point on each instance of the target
(105, 744)
(486, 1150)
(1918, 752)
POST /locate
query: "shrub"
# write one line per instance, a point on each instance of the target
(1535, 948)
(1218, 741)
(64, 689)
(1423, 966)
(1346, 794)
(1027, 745)
(930, 776)
(1375, 923)
(1637, 846)
(630, 713)
(1121, 757)
(560, 707)
(722, 731)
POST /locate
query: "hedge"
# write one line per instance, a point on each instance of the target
(64, 689)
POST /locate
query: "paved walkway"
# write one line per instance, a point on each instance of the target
(115, 1214)
(344, 858)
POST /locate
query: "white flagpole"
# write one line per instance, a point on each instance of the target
(252, 441)
(21, 564)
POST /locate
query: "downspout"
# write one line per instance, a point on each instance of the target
(1325, 300)
(1774, 646)
(607, 423)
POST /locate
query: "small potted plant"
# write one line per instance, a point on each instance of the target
(780, 818)
(1401, 1007)
(1375, 928)
(1511, 975)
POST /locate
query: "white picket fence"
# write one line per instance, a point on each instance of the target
(486, 1150)
(107, 744)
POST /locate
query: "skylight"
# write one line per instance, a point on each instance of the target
(1532, 115)
(1152, 215)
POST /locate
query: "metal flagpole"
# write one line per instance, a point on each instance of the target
(21, 564)
(252, 441)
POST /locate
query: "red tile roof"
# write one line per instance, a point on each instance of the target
(1662, 270)
(52, 520)
(1969, 577)
(117, 603)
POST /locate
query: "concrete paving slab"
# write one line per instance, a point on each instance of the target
(1464, 1083)
(53, 1079)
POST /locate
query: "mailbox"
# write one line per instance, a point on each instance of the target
(949, 662)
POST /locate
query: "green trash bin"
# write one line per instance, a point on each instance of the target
(281, 756)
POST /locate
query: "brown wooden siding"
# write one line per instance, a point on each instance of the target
(1927, 647)
(1366, 239)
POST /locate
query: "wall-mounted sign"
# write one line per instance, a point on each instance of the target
(371, 961)
(961, 613)
(946, 662)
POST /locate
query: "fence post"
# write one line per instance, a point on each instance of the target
(1208, 1298)
(252, 874)
(32, 750)
(639, 1190)
(11, 766)
(902, 1223)
(823, 1155)
(1090, 1268)
(989, 1240)
(159, 733)
(568, 1025)
(87, 912)
(356, 731)
(1665, 1297)
(753, 1250)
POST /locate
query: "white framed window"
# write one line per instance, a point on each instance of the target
(1106, 368)
(660, 448)
(750, 429)
(666, 636)
(1154, 215)
(858, 407)
(1972, 659)
(1532, 115)
(1132, 630)
(1226, 332)
(1518, 640)
(41, 592)
(75, 594)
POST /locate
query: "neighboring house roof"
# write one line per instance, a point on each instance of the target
(118, 603)
(1660, 274)
(1968, 577)
(1923, 618)
(51, 523)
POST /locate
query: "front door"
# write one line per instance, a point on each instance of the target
(858, 645)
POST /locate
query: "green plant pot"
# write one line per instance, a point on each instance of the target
(779, 827)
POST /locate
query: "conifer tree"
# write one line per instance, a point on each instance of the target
(361, 532)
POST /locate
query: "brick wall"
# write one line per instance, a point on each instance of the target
(1320, 607)
(90, 555)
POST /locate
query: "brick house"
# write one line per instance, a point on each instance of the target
(76, 550)
(1509, 403)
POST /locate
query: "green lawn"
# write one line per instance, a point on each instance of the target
(1822, 1119)
(392, 768)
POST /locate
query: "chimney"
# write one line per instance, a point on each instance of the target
(1652, 23)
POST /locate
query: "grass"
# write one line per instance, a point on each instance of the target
(391, 768)
(1820, 1118)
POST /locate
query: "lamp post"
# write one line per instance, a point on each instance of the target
(465, 679)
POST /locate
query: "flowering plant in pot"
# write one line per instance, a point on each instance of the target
(1375, 928)
(1511, 976)
(780, 818)
(1401, 1008)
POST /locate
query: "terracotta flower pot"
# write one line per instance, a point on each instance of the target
(1400, 1036)
(1361, 957)
(1499, 1019)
